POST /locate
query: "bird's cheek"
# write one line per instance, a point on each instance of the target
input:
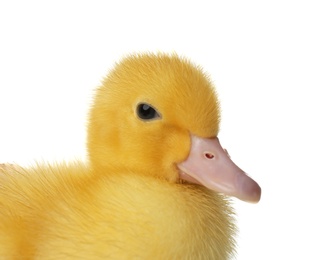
(176, 148)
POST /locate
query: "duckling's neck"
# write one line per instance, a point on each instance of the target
(199, 221)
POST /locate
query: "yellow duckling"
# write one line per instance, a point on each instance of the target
(153, 186)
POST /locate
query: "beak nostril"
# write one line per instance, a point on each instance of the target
(208, 155)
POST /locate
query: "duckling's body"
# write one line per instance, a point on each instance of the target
(149, 189)
(59, 212)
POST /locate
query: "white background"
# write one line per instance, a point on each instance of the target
(260, 55)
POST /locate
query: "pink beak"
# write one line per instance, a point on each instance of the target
(208, 164)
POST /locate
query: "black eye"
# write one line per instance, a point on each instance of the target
(146, 112)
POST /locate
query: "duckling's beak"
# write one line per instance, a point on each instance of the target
(209, 164)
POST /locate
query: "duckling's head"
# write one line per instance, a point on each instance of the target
(158, 115)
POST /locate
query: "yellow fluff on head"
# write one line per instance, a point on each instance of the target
(181, 93)
(128, 201)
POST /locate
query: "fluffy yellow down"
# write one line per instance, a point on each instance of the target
(127, 201)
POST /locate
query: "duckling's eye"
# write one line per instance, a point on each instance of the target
(146, 112)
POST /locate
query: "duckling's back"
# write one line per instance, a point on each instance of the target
(66, 212)
(26, 198)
